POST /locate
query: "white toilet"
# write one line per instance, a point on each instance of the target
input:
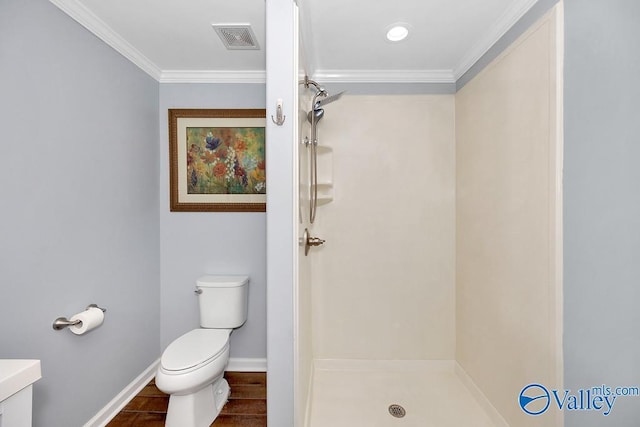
(192, 367)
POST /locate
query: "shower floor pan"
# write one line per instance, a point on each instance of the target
(347, 393)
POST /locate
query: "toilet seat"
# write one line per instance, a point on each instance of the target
(194, 349)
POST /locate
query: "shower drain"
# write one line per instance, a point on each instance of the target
(397, 411)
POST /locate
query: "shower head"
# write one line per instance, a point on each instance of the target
(315, 115)
(317, 112)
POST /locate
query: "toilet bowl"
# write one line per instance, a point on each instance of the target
(191, 371)
(192, 367)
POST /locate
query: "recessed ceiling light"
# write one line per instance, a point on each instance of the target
(398, 31)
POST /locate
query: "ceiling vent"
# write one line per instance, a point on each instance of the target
(236, 36)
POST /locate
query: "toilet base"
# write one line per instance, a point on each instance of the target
(198, 409)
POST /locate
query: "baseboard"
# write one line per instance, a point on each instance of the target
(112, 408)
(239, 364)
(482, 400)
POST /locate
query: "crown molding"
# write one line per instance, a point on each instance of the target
(508, 19)
(213, 76)
(385, 76)
(77, 11)
(104, 32)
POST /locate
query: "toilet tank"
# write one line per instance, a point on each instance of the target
(223, 301)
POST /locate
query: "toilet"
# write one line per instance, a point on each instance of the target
(192, 367)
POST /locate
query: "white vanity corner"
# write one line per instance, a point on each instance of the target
(16, 383)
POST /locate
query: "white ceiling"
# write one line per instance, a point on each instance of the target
(173, 40)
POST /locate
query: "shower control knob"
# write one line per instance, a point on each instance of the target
(315, 241)
(309, 241)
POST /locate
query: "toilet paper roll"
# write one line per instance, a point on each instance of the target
(90, 319)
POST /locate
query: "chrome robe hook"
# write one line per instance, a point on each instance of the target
(280, 118)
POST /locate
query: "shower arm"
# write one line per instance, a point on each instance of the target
(307, 81)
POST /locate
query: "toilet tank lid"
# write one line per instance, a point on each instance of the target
(222, 281)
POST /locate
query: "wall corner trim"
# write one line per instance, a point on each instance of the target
(77, 11)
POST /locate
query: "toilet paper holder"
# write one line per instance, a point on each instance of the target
(63, 322)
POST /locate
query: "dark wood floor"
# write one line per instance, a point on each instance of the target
(247, 406)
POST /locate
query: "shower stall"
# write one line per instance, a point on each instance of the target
(430, 295)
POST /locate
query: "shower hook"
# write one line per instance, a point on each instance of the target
(280, 118)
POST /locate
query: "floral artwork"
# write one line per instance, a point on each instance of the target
(225, 160)
(217, 160)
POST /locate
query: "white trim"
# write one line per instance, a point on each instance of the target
(508, 19)
(384, 76)
(282, 84)
(238, 364)
(76, 10)
(112, 408)
(213, 76)
(479, 396)
(556, 16)
(307, 406)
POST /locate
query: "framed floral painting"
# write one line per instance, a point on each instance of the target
(217, 160)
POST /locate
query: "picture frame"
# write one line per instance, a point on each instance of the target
(217, 160)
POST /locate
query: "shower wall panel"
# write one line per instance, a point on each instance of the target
(383, 283)
(508, 229)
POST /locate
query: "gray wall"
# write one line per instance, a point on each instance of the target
(83, 167)
(197, 243)
(602, 204)
(79, 222)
